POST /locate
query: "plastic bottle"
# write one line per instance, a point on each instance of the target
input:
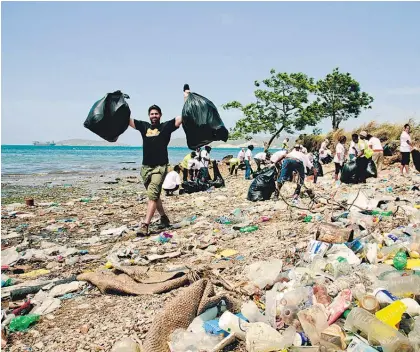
(384, 296)
(261, 337)
(388, 337)
(22, 323)
(301, 339)
(339, 305)
(233, 324)
(197, 324)
(294, 297)
(288, 314)
(370, 303)
(403, 285)
(392, 314)
(250, 311)
(413, 308)
(400, 260)
(248, 228)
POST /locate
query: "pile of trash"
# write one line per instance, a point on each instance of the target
(336, 272)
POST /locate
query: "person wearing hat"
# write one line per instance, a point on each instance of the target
(248, 157)
(375, 144)
(363, 157)
(156, 136)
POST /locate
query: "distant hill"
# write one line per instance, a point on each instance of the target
(90, 143)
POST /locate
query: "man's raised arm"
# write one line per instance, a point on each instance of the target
(132, 123)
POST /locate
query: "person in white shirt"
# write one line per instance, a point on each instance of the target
(275, 158)
(354, 147)
(172, 181)
(405, 149)
(339, 156)
(261, 158)
(193, 166)
(248, 157)
(241, 155)
(296, 162)
(324, 152)
(378, 151)
(204, 159)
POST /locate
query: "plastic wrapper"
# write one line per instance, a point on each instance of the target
(262, 273)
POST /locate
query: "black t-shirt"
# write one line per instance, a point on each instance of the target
(155, 141)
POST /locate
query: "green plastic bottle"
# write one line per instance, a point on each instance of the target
(400, 260)
(248, 228)
(307, 218)
(22, 323)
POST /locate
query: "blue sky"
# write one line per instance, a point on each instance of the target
(58, 58)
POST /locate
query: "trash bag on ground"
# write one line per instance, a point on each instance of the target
(349, 172)
(263, 185)
(109, 117)
(415, 154)
(201, 122)
(371, 169)
(327, 159)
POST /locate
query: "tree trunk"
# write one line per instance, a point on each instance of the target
(266, 146)
(334, 122)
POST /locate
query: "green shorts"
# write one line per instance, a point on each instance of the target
(153, 177)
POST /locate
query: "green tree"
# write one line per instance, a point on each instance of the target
(283, 104)
(339, 97)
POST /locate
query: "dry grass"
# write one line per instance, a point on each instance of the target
(390, 132)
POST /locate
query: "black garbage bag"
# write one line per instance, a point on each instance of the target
(371, 170)
(327, 159)
(349, 173)
(388, 151)
(263, 185)
(217, 183)
(415, 154)
(109, 117)
(201, 122)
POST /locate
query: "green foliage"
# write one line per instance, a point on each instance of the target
(339, 97)
(282, 104)
(317, 131)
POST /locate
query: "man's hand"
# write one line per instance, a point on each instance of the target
(178, 121)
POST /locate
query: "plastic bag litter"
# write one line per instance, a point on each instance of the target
(109, 117)
(264, 273)
(261, 337)
(201, 122)
(263, 186)
(371, 169)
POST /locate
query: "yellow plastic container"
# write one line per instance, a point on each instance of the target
(412, 263)
(392, 314)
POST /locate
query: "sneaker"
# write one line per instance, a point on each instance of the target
(164, 222)
(143, 230)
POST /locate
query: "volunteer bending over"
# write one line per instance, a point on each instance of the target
(297, 162)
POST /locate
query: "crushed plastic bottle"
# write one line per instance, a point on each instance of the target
(400, 260)
(261, 337)
(388, 337)
(249, 228)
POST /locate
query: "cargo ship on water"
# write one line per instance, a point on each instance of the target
(44, 144)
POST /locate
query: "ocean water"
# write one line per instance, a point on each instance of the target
(29, 159)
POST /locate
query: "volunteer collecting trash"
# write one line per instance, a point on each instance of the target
(363, 157)
(297, 162)
(261, 158)
(156, 136)
(354, 148)
(172, 181)
(405, 149)
(248, 157)
(193, 166)
(233, 166)
(340, 152)
(378, 151)
(204, 159)
(184, 165)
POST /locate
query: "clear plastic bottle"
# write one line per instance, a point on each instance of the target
(294, 297)
(261, 337)
(403, 285)
(388, 337)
